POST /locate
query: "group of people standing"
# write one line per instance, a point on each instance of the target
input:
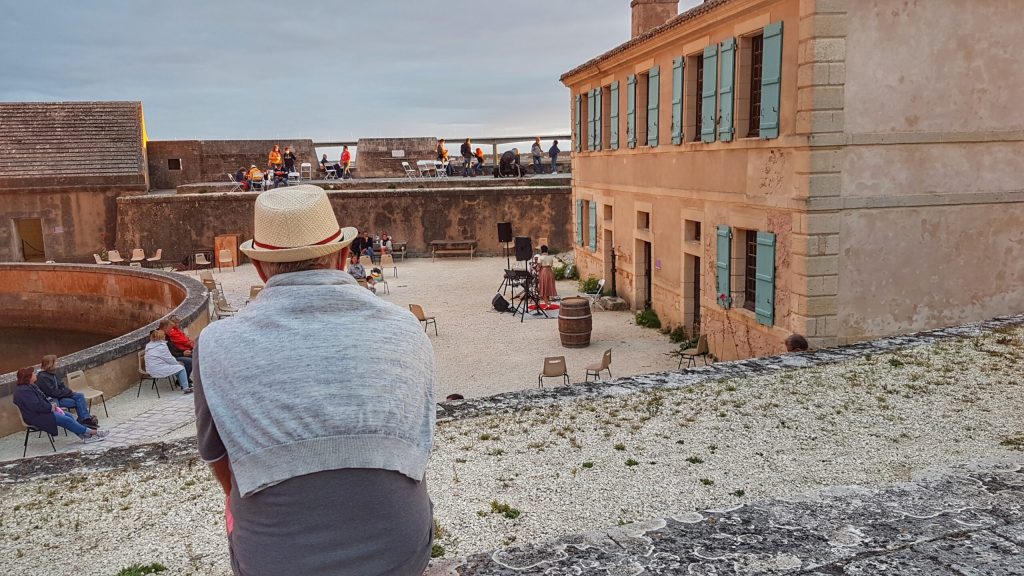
(279, 166)
(508, 165)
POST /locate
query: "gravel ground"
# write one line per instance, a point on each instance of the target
(521, 477)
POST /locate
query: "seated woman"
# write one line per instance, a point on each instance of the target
(358, 271)
(180, 347)
(161, 364)
(240, 177)
(37, 411)
(386, 246)
(53, 388)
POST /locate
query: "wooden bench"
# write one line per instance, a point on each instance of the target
(440, 247)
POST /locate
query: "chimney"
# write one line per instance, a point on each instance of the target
(649, 14)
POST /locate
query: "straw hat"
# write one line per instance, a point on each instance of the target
(295, 223)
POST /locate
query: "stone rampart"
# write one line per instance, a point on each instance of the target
(182, 223)
(213, 160)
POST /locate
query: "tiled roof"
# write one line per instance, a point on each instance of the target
(48, 139)
(696, 11)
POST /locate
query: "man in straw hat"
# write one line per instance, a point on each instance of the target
(323, 469)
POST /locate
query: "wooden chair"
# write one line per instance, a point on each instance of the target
(596, 369)
(143, 376)
(691, 354)
(157, 257)
(29, 429)
(554, 367)
(224, 257)
(417, 311)
(79, 383)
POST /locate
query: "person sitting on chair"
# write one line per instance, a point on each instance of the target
(324, 164)
(39, 413)
(160, 363)
(255, 176)
(386, 246)
(240, 178)
(358, 271)
(179, 344)
(53, 387)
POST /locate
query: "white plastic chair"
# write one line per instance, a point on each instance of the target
(596, 294)
(138, 255)
(100, 260)
(115, 257)
(294, 176)
(306, 171)
(409, 171)
(332, 174)
(224, 258)
(79, 383)
(440, 169)
(158, 256)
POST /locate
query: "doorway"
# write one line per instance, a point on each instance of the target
(643, 275)
(29, 239)
(696, 296)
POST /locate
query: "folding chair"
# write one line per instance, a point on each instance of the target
(440, 169)
(596, 294)
(332, 174)
(79, 383)
(554, 366)
(691, 354)
(417, 311)
(596, 369)
(306, 171)
(410, 172)
(237, 185)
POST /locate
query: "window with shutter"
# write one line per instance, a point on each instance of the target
(579, 222)
(653, 100)
(590, 120)
(598, 124)
(593, 226)
(579, 122)
(723, 269)
(771, 80)
(613, 117)
(677, 100)
(727, 89)
(764, 306)
(631, 111)
(709, 84)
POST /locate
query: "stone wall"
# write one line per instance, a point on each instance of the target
(213, 160)
(120, 301)
(376, 159)
(416, 216)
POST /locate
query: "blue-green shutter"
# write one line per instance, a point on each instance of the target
(722, 265)
(613, 117)
(579, 123)
(631, 111)
(579, 222)
(771, 80)
(590, 120)
(677, 100)
(598, 124)
(764, 290)
(726, 90)
(653, 100)
(708, 104)
(593, 226)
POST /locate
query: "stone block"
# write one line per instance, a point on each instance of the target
(824, 160)
(804, 325)
(805, 245)
(825, 50)
(837, 73)
(829, 25)
(823, 286)
(825, 184)
(831, 244)
(815, 265)
(817, 223)
(811, 74)
(611, 303)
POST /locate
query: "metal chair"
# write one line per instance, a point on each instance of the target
(306, 171)
(332, 174)
(691, 354)
(410, 172)
(596, 294)
(596, 369)
(237, 185)
(417, 311)
(143, 376)
(29, 429)
(554, 367)
(78, 382)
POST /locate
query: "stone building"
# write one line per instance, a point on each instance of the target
(62, 167)
(835, 168)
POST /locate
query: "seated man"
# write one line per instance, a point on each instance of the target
(358, 271)
(53, 387)
(178, 343)
(255, 175)
(280, 177)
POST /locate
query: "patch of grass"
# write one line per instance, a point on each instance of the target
(679, 334)
(486, 436)
(896, 362)
(141, 570)
(620, 446)
(695, 460)
(505, 510)
(648, 319)
(436, 551)
(631, 462)
(587, 465)
(739, 493)
(707, 481)
(587, 285)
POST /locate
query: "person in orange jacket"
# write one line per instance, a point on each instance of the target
(275, 157)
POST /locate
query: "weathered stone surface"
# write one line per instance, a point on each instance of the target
(213, 160)
(611, 303)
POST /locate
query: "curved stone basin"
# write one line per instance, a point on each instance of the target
(116, 306)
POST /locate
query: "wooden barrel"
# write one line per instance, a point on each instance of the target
(575, 322)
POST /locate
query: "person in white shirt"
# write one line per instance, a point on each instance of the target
(161, 364)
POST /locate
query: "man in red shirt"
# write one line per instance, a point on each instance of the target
(346, 160)
(178, 338)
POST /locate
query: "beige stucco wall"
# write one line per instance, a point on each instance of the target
(747, 183)
(932, 203)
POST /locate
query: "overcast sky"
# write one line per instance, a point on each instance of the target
(335, 70)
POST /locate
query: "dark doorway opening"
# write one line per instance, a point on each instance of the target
(696, 295)
(29, 239)
(647, 274)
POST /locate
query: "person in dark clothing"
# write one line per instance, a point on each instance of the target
(53, 387)
(553, 154)
(358, 245)
(509, 165)
(38, 412)
(241, 179)
(467, 157)
(289, 159)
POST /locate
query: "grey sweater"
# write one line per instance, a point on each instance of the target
(294, 388)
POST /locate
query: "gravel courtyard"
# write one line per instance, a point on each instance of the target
(580, 465)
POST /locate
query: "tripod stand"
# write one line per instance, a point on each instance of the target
(529, 296)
